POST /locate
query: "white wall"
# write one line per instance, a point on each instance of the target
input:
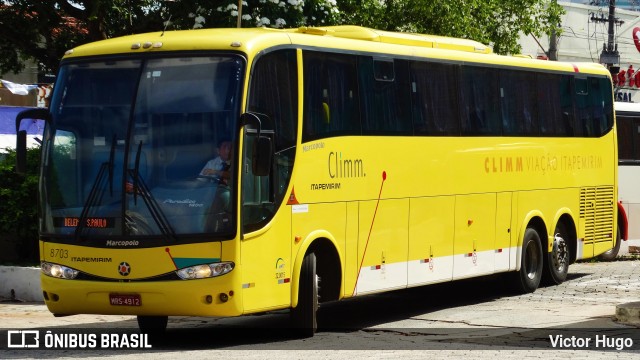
(582, 39)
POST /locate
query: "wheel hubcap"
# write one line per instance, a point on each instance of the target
(560, 253)
(531, 261)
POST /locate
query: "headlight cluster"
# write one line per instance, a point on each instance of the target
(205, 271)
(58, 271)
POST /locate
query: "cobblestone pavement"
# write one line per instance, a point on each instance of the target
(396, 324)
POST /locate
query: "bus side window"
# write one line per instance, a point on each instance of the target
(599, 106)
(519, 113)
(434, 99)
(550, 110)
(330, 96)
(480, 96)
(583, 122)
(385, 93)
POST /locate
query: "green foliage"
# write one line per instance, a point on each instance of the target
(498, 23)
(19, 209)
(42, 30)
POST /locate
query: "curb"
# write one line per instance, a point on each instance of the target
(628, 313)
(20, 284)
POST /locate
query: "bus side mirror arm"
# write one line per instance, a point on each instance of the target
(21, 138)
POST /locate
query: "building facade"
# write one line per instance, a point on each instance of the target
(585, 33)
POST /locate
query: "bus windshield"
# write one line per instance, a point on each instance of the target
(128, 143)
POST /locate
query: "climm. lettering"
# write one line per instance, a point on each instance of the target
(344, 168)
(503, 164)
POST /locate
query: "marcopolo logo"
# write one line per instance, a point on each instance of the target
(124, 268)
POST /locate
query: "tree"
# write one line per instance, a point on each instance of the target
(498, 23)
(44, 29)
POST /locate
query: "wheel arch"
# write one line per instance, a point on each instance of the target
(329, 266)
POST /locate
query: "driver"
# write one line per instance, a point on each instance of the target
(219, 167)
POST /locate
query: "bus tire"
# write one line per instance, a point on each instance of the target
(154, 325)
(613, 253)
(303, 316)
(527, 279)
(556, 261)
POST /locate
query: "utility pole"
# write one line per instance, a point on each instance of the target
(610, 56)
(553, 46)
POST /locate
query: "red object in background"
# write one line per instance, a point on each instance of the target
(636, 37)
(621, 78)
(630, 76)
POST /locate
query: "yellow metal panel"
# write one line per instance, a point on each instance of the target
(474, 234)
(143, 262)
(503, 231)
(267, 266)
(351, 249)
(383, 244)
(431, 239)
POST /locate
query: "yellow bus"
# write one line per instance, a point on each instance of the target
(362, 161)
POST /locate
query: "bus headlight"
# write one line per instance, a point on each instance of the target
(205, 271)
(58, 271)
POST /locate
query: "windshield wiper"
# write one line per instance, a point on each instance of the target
(95, 197)
(140, 187)
(97, 189)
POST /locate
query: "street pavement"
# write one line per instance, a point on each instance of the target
(475, 319)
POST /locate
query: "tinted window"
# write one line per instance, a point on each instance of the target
(434, 99)
(628, 136)
(330, 95)
(479, 99)
(385, 96)
(517, 102)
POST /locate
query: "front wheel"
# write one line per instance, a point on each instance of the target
(557, 260)
(527, 279)
(303, 316)
(611, 254)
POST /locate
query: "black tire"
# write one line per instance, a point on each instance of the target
(303, 316)
(527, 279)
(556, 262)
(613, 253)
(153, 325)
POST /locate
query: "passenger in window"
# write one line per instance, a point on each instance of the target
(219, 168)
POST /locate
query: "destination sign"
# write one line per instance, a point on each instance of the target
(90, 222)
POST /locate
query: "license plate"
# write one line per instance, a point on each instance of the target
(125, 299)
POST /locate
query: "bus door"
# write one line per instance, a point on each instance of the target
(266, 237)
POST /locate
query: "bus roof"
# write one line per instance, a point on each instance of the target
(344, 37)
(398, 38)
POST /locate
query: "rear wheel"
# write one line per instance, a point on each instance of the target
(611, 254)
(303, 316)
(528, 277)
(557, 260)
